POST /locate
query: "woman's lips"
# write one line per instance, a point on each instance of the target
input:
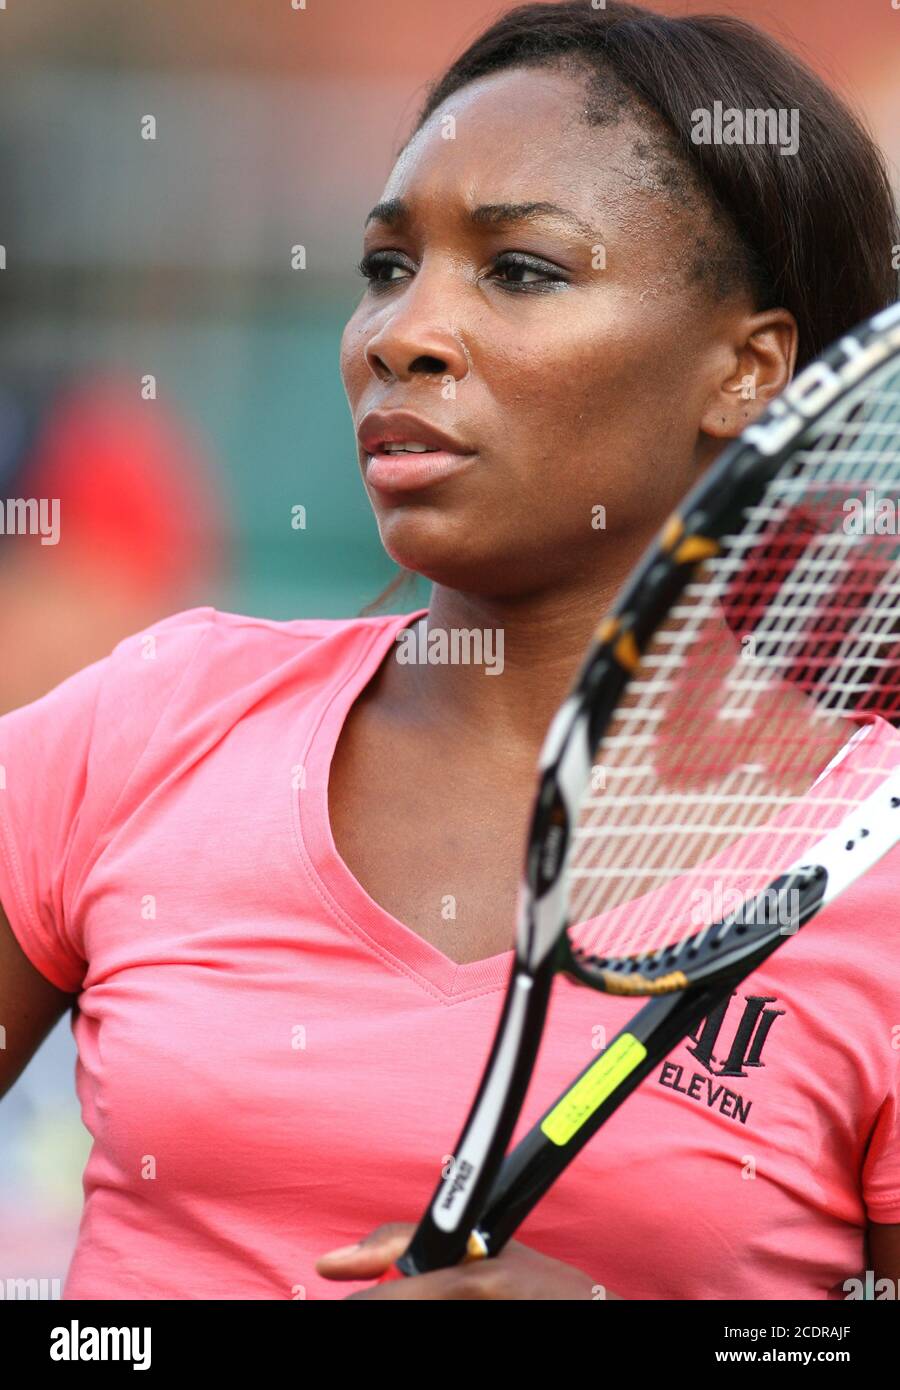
(407, 472)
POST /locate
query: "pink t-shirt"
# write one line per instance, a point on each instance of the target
(270, 1065)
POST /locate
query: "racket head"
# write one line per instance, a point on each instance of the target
(758, 641)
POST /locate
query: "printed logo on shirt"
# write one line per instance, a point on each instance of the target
(722, 1051)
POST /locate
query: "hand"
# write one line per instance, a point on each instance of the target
(517, 1272)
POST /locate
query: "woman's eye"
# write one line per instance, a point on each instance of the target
(513, 270)
(520, 267)
(378, 267)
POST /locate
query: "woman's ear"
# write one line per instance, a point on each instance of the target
(766, 352)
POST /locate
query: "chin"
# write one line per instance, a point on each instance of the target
(427, 545)
(457, 556)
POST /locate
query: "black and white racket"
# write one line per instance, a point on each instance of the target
(683, 829)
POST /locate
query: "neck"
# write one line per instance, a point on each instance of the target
(534, 646)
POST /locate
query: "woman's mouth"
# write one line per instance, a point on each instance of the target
(407, 467)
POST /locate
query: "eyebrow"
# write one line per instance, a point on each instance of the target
(394, 212)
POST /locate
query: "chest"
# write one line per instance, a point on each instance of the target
(434, 834)
(262, 1094)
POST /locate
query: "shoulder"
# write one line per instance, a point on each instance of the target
(194, 675)
(171, 692)
(193, 627)
(203, 649)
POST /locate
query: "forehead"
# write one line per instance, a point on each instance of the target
(522, 135)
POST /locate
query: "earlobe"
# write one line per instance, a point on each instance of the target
(735, 405)
(725, 419)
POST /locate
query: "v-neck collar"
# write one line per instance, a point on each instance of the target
(348, 901)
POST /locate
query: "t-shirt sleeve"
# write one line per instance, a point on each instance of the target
(64, 760)
(877, 895)
(881, 1169)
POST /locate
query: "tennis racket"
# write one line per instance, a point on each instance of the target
(686, 821)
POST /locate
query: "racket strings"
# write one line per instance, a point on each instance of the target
(703, 789)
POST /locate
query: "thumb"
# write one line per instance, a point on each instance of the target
(371, 1256)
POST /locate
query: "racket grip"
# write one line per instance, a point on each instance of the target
(476, 1249)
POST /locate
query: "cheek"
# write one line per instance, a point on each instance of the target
(569, 413)
(598, 439)
(352, 356)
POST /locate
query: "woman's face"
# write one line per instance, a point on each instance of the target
(563, 350)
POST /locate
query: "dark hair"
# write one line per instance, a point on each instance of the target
(812, 233)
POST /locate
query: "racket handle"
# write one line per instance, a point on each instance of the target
(476, 1249)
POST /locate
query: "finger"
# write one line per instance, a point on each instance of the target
(374, 1254)
(459, 1282)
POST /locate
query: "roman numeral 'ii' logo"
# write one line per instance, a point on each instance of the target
(747, 1044)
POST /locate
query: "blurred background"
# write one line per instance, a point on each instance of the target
(169, 357)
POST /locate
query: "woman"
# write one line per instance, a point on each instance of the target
(278, 866)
